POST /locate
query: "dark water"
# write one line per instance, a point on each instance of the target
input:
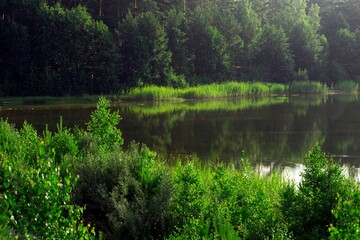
(276, 132)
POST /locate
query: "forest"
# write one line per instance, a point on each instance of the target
(77, 47)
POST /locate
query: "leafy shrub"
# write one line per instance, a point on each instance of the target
(176, 81)
(126, 193)
(187, 198)
(221, 202)
(103, 125)
(29, 143)
(9, 137)
(346, 213)
(62, 143)
(308, 210)
(35, 200)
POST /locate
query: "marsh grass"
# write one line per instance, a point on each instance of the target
(307, 87)
(229, 89)
(347, 86)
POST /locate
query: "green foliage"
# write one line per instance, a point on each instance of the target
(63, 143)
(346, 213)
(210, 58)
(347, 86)
(133, 195)
(78, 47)
(307, 87)
(308, 211)
(275, 56)
(301, 76)
(9, 138)
(5, 232)
(346, 51)
(103, 125)
(144, 51)
(55, 51)
(126, 193)
(228, 89)
(36, 191)
(177, 39)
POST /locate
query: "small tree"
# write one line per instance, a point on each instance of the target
(103, 125)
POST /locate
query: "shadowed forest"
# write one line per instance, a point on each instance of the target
(76, 47)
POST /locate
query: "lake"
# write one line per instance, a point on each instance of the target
(272, 132)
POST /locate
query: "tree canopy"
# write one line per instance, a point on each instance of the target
(69, 47)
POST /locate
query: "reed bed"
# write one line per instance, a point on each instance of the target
(215, 90)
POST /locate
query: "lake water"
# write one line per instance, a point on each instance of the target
(272, 132)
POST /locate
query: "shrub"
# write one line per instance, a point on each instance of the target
(9, 138)
(308, 210)
(188, 192)
(103, 125)
(35, 200)
(346, 213)
(62, 144)
(126, 193)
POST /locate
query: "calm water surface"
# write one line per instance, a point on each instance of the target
(273, 132)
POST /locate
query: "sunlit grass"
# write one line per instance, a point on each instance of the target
(229, 89)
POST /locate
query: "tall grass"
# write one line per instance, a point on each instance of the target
(307, 87)
(347, 86)
(229, 89)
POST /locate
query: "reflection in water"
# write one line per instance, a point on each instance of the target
(276, 131)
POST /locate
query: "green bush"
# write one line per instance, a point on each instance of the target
(62, 144)
(127, 193)
(9, 138)
(226, 203)
(308, 209)
(35, 200)
(346, 213)
(188, 195)
(103, 125)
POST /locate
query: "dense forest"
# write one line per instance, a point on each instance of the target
(76, 47)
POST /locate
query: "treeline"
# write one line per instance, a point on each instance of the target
(74, 47)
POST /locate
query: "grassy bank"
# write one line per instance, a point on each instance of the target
(229, 89)
(307, 87)
(75, 184)
(223, 90)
